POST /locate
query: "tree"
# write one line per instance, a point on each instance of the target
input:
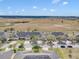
(72, 38)
(36, 48)
(34, 30)
(2, 40)
(21, 46)
(33, 39)
(61, 38)
(43, 41)
(50, 39)
(14, 50)
(62, 21)
(77, 38)
(9, 29)
(5, 30)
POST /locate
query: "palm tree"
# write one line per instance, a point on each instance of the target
(33, 39)
(50, 39)
(43, 41)
(72, 39)
(61, 38)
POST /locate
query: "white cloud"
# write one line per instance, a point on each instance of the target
(16, 11)
(23, 10)
(52, 10)
(9, 7)
(65, 3)
(56, 1)
(44, 9)
(34, 7)
(59, 1)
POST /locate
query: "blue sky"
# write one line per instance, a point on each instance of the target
(40, 7)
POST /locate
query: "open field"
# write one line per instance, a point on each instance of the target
(46, 24)
(72, 53)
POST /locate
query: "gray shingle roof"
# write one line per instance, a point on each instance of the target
(49, 55)
(24, 34)
(37, 57)
(57, 33)
(6, 55)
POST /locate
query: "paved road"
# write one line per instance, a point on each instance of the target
(6, 45)
(52, 55)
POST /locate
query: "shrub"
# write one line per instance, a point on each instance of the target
(36, 49)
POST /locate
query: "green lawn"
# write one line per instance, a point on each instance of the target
(60, 53)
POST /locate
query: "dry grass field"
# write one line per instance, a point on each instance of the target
(43, 24)
(72, 53)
